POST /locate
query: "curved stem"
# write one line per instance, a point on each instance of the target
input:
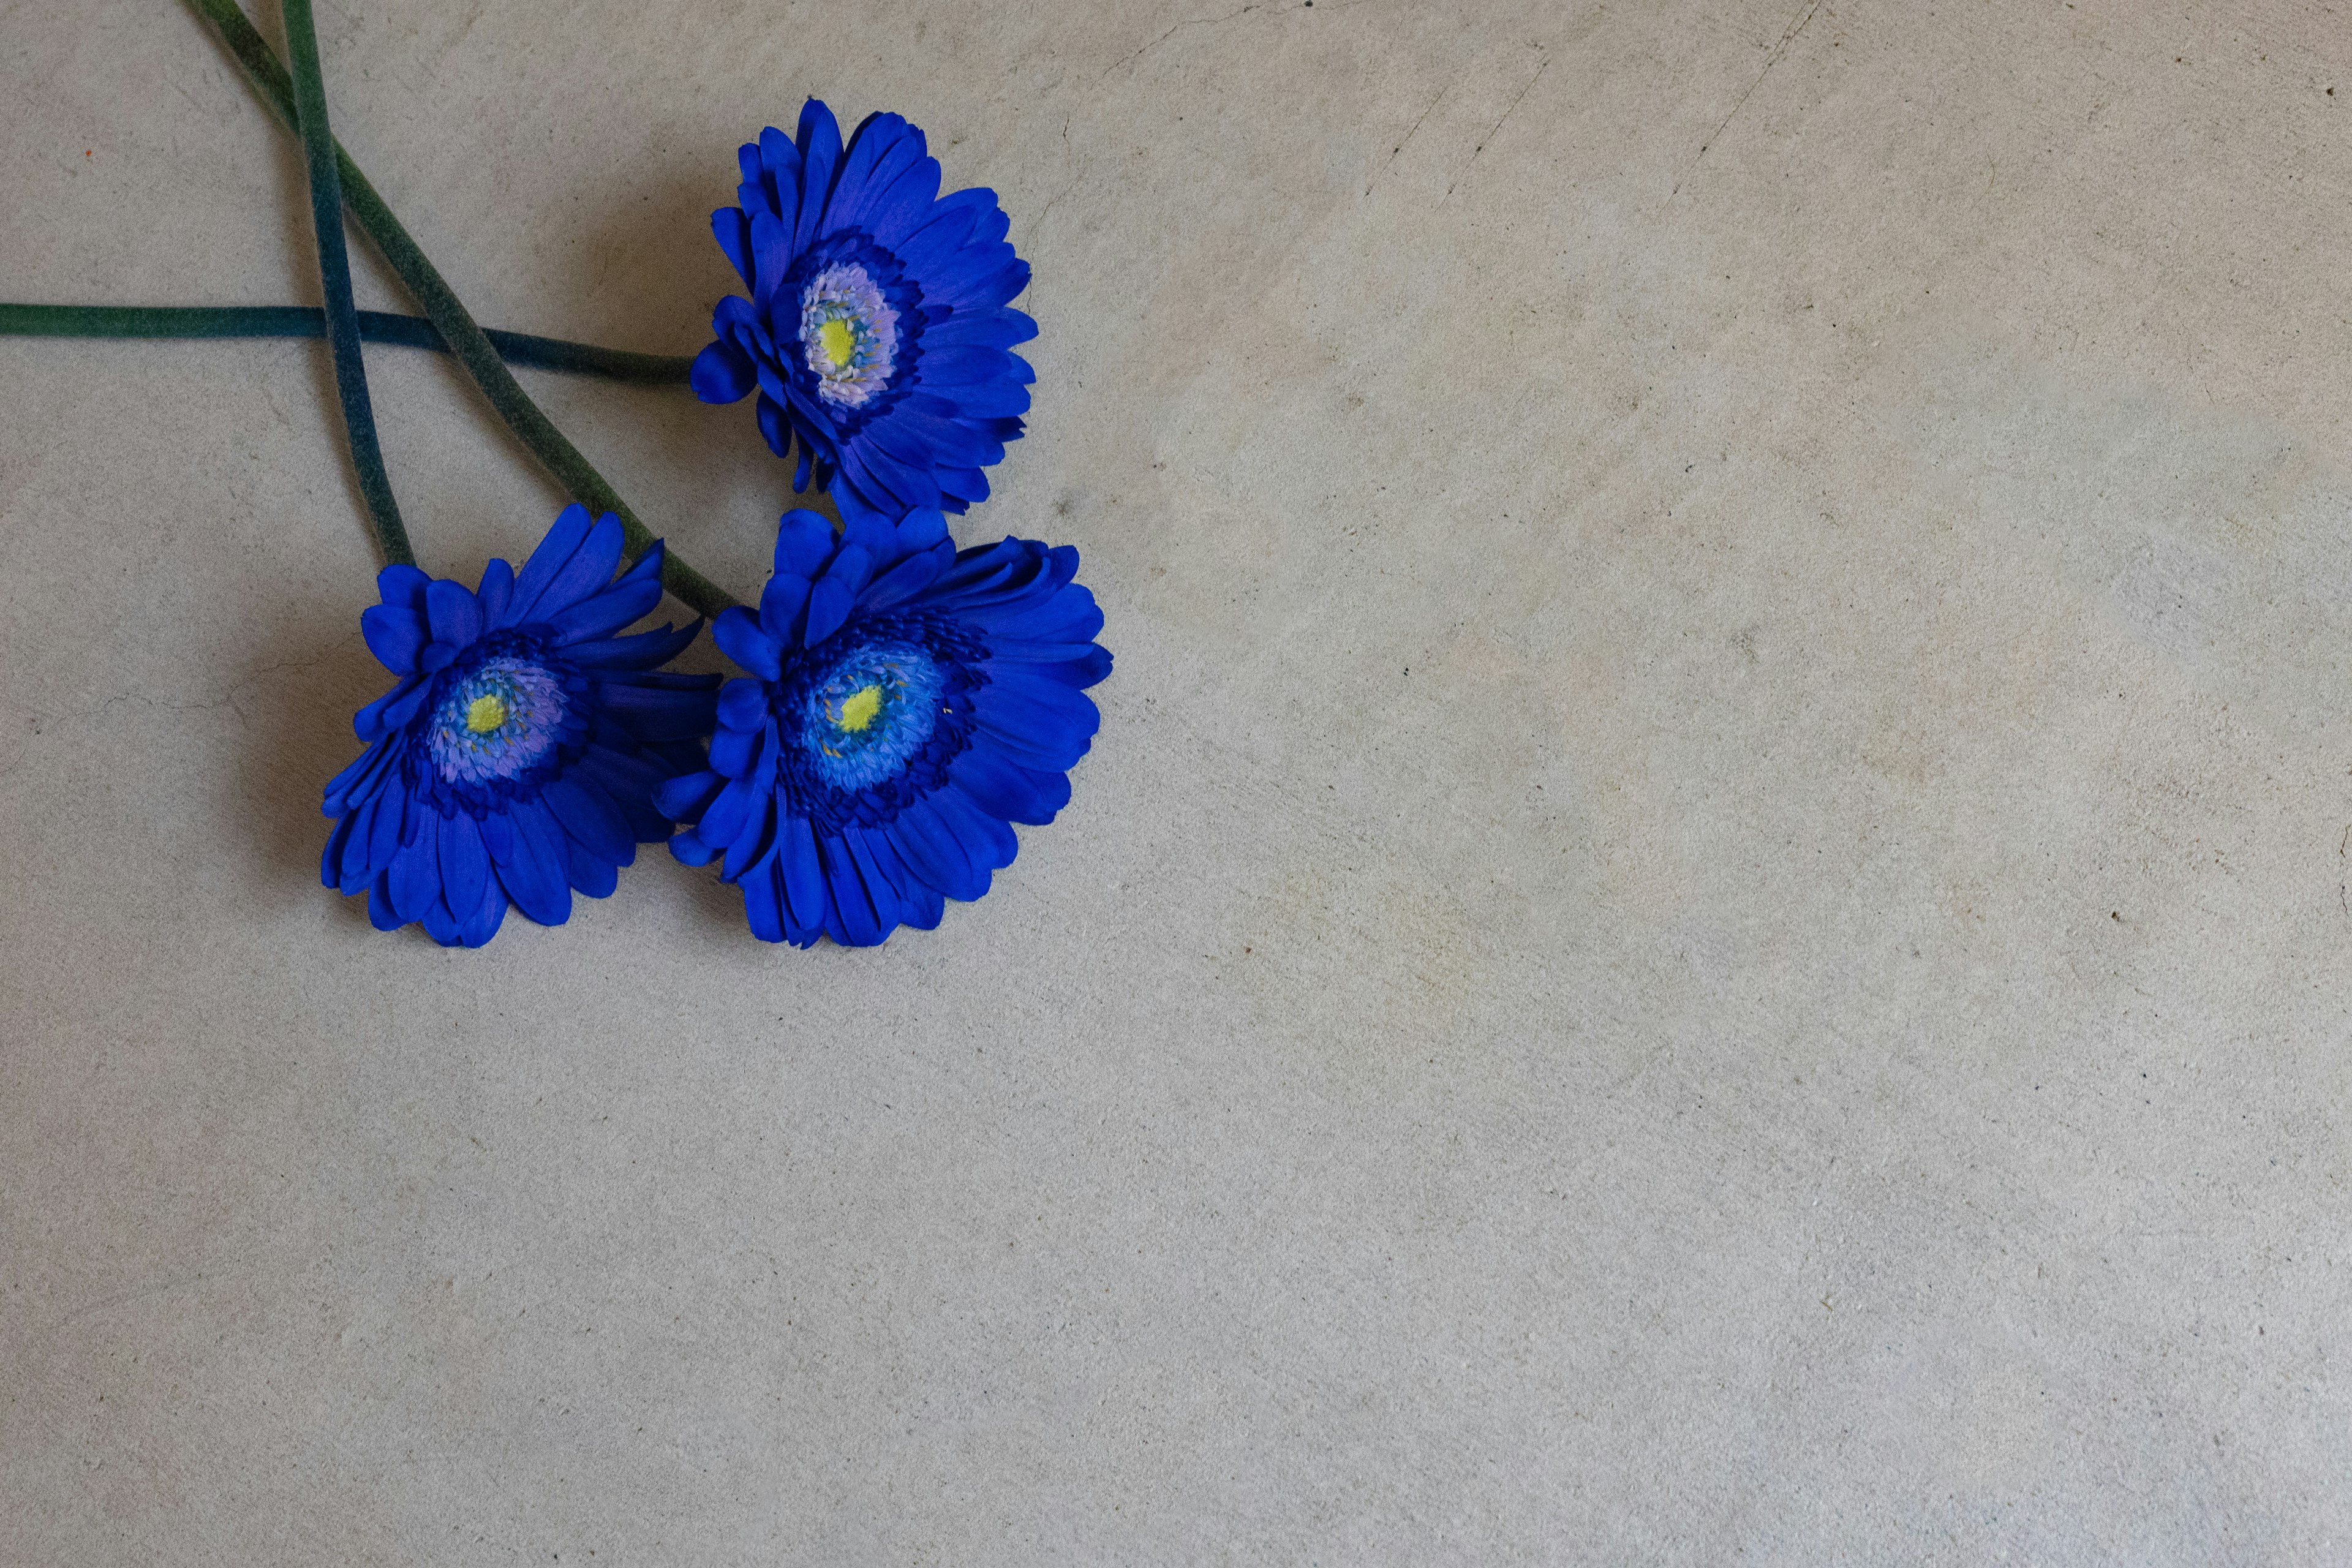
(308, 321)
(335, 275)
(466, 340)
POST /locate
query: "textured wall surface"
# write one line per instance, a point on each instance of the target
(1709, 922)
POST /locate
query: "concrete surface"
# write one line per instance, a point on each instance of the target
(1709, 923)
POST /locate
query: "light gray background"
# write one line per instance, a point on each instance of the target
(1709, 922)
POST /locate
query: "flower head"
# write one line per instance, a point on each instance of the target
(877, 331)
(517, 756)
(906, 704)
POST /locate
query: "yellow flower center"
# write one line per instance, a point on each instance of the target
(858, 709)
(485, 714)
(839, 341)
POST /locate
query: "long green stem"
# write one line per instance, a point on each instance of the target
(473, 350)
(309, 321)
(335, 276)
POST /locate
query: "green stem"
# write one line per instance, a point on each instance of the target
(335, 276)
(467, 341)
(308, 321)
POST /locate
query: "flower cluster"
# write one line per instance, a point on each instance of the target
(906, 701)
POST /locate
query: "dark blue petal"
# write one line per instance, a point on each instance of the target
(645, 650)
(395, 809)
(344, 864)
(608, 612)
(650, 712)
(949, 366)
(906, 206)
(496, 592)
(1072, 664)
(874, 873)
(774, 426)
(781, 603)
(563, 540)
(590, 872)
(752, 847)
(861, 925)
(761, 907)
(780, 162)
(830, 602)
(465, 864)
(740, 637)
(984, 327)
(358, 780)
(538, 877)
(722, 373)
(1003, 788)
(403, 587)
(395, 636)
(381, 914)
(588, 814)
(441, 925)
(742, 704)
(799, 876)
(455, 615)
(477, 925)
(904, 581)
(731, 812)
(415, 871)
(935, 853)
(733, 231)
(820, 145)
(804, 542)
(331, 859)
(1038, 724)
(391, 711)
(991, 399)
(586, 572)
(732, 752)
(987, 842)
(683, 799)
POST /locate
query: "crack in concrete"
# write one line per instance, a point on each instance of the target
(1171, 32)
(1493, 129)
(1778, 50)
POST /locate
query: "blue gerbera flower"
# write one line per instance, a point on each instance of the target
(877, 331)
(907, 704)
(517, 758)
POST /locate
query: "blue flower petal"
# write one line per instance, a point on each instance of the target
(761, 907)
(936, 855)
(804, 542)
(1001, 787)
(740, 637)
(861, 923)
(732, 229)
(538, 877)
(465, 864)
(477, 928)
(416, 871)
(588, 814)
(562, 541)
(722, 373)
(454, 613)
(496, 592)
(742, 704)
(820, 147)
(395, 636)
